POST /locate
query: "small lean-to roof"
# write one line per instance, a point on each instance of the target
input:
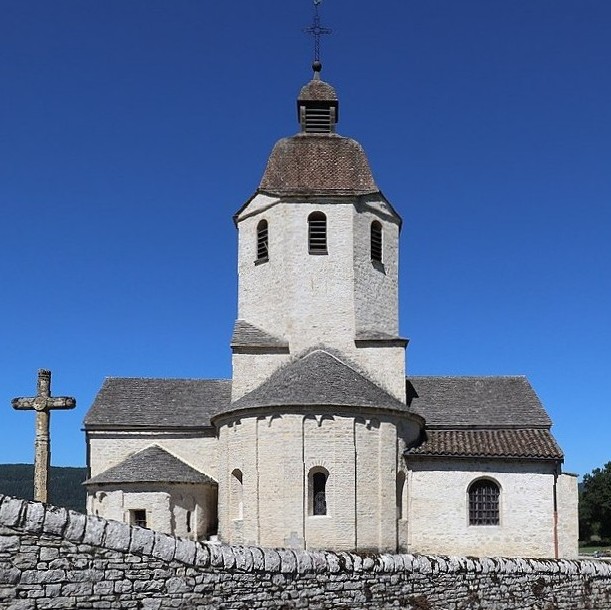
(310, 164)
(317, 379)
(249, 335)
(489, 402)
(151, 465)
(524, 444)
(133, 402)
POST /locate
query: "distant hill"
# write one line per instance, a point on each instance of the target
(65, 486)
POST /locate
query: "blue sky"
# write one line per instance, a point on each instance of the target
(131, 131)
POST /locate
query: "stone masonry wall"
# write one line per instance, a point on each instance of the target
(54, 558)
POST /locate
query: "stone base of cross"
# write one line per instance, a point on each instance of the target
(43, 403)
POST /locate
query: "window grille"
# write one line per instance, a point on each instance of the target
(376, 241)
(317, 233)
(262, 241)
(319, 493)
(484, 503)
(138, 517)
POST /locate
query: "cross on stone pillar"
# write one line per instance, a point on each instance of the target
(43, 403)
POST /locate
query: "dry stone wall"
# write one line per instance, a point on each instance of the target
(54, 558)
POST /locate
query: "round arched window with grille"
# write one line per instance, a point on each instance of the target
(484, 499)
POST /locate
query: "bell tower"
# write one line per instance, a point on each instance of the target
(318, 247)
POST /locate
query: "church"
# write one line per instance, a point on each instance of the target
(319, 440)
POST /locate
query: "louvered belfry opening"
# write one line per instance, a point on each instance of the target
(317, 106)
(317, 233)
(376, 241)
(317, 118)
(262, 241)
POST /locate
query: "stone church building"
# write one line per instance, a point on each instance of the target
(319, 440)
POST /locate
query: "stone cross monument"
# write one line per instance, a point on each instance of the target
(43, 403)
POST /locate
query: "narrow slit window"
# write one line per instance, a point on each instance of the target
(236, 493)
(484, 503)
(376, 241)
(400, 492)
(319, 493)
(262, 241)
(317, 233)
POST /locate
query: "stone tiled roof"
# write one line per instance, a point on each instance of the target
(246, 334)
(151, 465)
(128, 402)
(318, 378)
(317, 90)
(489, 402)
(309, 164)
(533, 444)
(465, 416)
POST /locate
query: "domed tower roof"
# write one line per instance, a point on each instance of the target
(317, 91)
(317, 161)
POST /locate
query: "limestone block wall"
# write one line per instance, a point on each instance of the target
(305, 299)
(319, 300)
(274, 454)
(249, 371)
(188, 511)
(54, 558)
(568, 515)
(107, 449)
(438, 509)
(376, 286)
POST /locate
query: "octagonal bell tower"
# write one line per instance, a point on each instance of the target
(318, 257)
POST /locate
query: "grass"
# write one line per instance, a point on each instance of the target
(590, 550)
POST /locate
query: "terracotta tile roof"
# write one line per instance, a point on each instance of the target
(128, 402)
(325, 164)
(151, 465)
(533, 444)
(452, 402)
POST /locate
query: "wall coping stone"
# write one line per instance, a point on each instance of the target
(93, 531)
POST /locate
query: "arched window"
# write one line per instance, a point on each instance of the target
(317, 233)
(262, 242)
(484, 497)
(236, 495)
(376, 241)
(318, 491)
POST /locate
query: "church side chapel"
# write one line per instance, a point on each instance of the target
(319, 440)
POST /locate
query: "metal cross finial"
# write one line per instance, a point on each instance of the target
(43, 403)
(317, 30)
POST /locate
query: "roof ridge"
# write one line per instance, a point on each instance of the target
(169, 378)
(517, 376)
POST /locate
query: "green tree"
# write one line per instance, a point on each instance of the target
(595, 504)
